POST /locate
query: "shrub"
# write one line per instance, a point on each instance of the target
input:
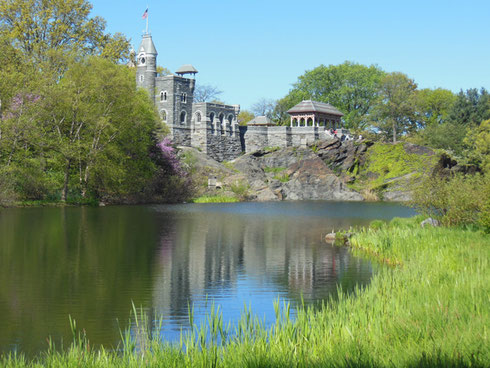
(460, 200)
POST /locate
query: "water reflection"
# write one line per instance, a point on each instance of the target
(90, 263)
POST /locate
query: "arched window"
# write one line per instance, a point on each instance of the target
(183, 97)
(310, 122)
(211, 120)
(142, 78)
(230, 123)
(163, 96)
(182, 117)
(221, 118)
(295, 122)
(198, 117)
(163, 114)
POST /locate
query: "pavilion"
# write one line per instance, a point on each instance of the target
(315, 114)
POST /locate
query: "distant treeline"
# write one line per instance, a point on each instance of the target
(389, 106)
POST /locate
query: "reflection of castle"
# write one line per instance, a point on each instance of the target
(212, 127)
(208, 255)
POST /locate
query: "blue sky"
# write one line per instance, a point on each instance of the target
(257, 49)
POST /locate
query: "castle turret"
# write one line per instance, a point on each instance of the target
(146, 63)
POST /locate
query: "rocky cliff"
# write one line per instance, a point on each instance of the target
(326, 170)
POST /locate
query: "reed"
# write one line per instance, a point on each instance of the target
(430, 308)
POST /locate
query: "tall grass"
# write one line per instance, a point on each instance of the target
(430, 308)
(215, 199)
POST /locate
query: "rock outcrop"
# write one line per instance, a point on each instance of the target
(323, 170)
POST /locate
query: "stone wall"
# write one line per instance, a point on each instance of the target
(180, 135)
(224, 147)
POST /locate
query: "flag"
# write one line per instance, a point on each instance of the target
(145, 14)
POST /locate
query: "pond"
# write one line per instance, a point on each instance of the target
(93, 263)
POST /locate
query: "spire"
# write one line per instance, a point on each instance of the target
(147, 46)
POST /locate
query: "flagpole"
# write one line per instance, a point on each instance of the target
(147, 16)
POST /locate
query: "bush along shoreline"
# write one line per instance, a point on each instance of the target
(430, 309)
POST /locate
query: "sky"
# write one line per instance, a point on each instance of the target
(257, 49)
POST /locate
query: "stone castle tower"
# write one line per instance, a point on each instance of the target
(210, 127)
(213, 127)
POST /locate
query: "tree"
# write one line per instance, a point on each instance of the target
(477, 142)
(434, 105)
(46, 30)
(396, 109)
(206, 93)
(264, 107)
(471, 107)
(101, 125)
(244, 117)
(350, 87)
(162, 71)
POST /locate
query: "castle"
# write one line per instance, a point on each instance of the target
(213, 128)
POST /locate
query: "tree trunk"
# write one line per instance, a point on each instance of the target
(64, 192)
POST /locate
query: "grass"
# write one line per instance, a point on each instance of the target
(428, 307)
(385, 162)
(215, 199)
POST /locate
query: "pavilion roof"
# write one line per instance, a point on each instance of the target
(261, 120)
(187, 69)
(314, 106)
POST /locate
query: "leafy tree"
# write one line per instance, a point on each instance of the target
(102, 125)
(206, 93)
(245, 116)
(350, 87)
(45, 30)
(478, 146)
(395, 110)
(471, 107)
(162, 71)
(434, 105)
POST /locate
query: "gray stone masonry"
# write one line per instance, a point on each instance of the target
(210, 127)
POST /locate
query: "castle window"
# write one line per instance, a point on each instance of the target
(183, 97)
(163, 96)
(198, 117)
(211, 119)
(163, 114)
(221, 128)
(182, 117)
(142, 78)
(230, 123)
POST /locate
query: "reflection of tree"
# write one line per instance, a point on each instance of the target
(83, 262)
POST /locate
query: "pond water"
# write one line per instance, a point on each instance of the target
(92, 263)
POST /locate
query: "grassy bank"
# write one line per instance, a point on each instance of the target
(429, 309)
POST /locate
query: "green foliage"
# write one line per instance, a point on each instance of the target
(471, 107)
(283, 178)
(215, 199)
(350, 87)
(477, 143)
(395, 109)
(385, 161)
(460, 200)
(434, 105)
(270, 149)
(240, 189)
(244, 117)
(46, 30)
